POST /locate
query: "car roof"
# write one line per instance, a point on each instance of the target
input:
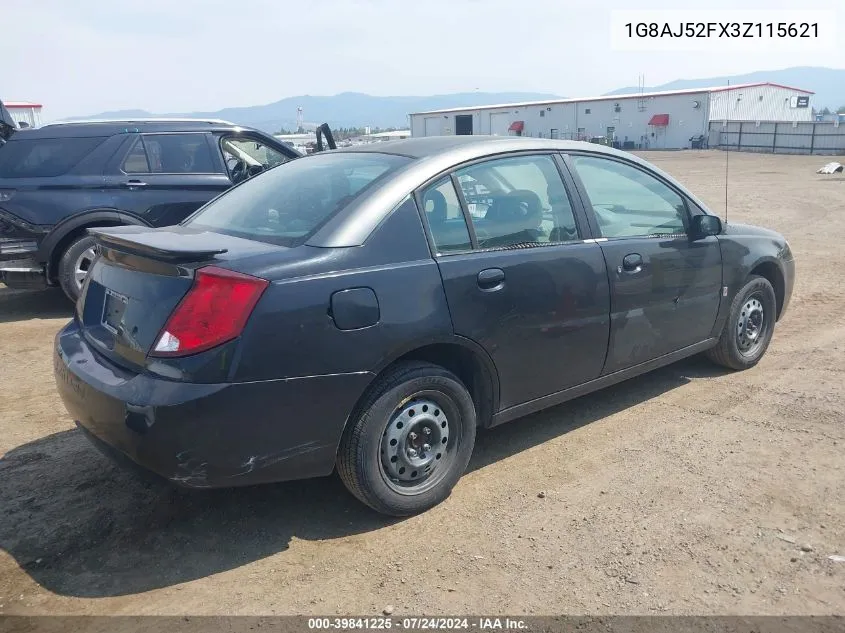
(479, 145)
(104, 127)
(435, 155)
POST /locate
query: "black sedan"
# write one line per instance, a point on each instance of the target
(366, 310)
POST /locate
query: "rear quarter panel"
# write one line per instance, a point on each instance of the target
(292, 333)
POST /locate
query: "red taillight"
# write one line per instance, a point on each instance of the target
(214, 311)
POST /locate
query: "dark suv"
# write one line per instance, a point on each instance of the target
(61, 179)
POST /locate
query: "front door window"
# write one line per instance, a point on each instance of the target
(169, 154)
(628, 202)
(246, 157)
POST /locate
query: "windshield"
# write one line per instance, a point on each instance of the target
(287, 204)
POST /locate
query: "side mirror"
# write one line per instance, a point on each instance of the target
(704, 226)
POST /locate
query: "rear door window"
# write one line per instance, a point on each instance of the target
(445, 218)
(170, 154)
(518, 201)
(44, 157)
(136, 161)
(288, 204)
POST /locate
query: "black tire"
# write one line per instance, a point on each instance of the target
(360, 461)
(728, 352)
(67, 273)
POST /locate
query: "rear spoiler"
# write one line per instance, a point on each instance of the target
(325, 129)
(169, 246)
(7, 123)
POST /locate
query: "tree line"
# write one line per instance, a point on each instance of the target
(839, 110)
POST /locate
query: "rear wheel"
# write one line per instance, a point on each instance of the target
(411, 440)
(74, 265)
(750, 326)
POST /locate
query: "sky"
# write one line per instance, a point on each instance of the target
(89, 56)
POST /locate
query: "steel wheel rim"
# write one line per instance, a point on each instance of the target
(751, 326)
(419, 443)
(83, 265)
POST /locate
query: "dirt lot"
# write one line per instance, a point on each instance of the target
(689, 490)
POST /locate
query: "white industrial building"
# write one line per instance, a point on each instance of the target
(646, 120)
(24, 113)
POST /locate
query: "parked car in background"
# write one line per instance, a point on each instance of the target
(7, 124)
(59, 180)
(347, 310)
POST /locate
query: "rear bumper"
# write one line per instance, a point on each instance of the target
(206, 435)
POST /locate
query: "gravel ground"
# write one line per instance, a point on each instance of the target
(687, 491)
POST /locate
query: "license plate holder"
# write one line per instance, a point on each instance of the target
(113, 310)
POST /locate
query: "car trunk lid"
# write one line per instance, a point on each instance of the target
(138, 279)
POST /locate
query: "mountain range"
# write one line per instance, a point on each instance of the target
(347, 109)
(353, 109)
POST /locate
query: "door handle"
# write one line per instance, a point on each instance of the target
(134, 183)
(631, 263)
(491, 279)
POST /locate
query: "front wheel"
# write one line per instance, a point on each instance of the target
(750, 326)
(74, 265)
(411, 440)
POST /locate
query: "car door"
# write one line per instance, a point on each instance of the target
(164, 177)
(519, 279)
(665, 287)
(246, 154)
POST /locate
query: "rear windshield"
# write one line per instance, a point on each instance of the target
(43, 157)
(287, 204)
